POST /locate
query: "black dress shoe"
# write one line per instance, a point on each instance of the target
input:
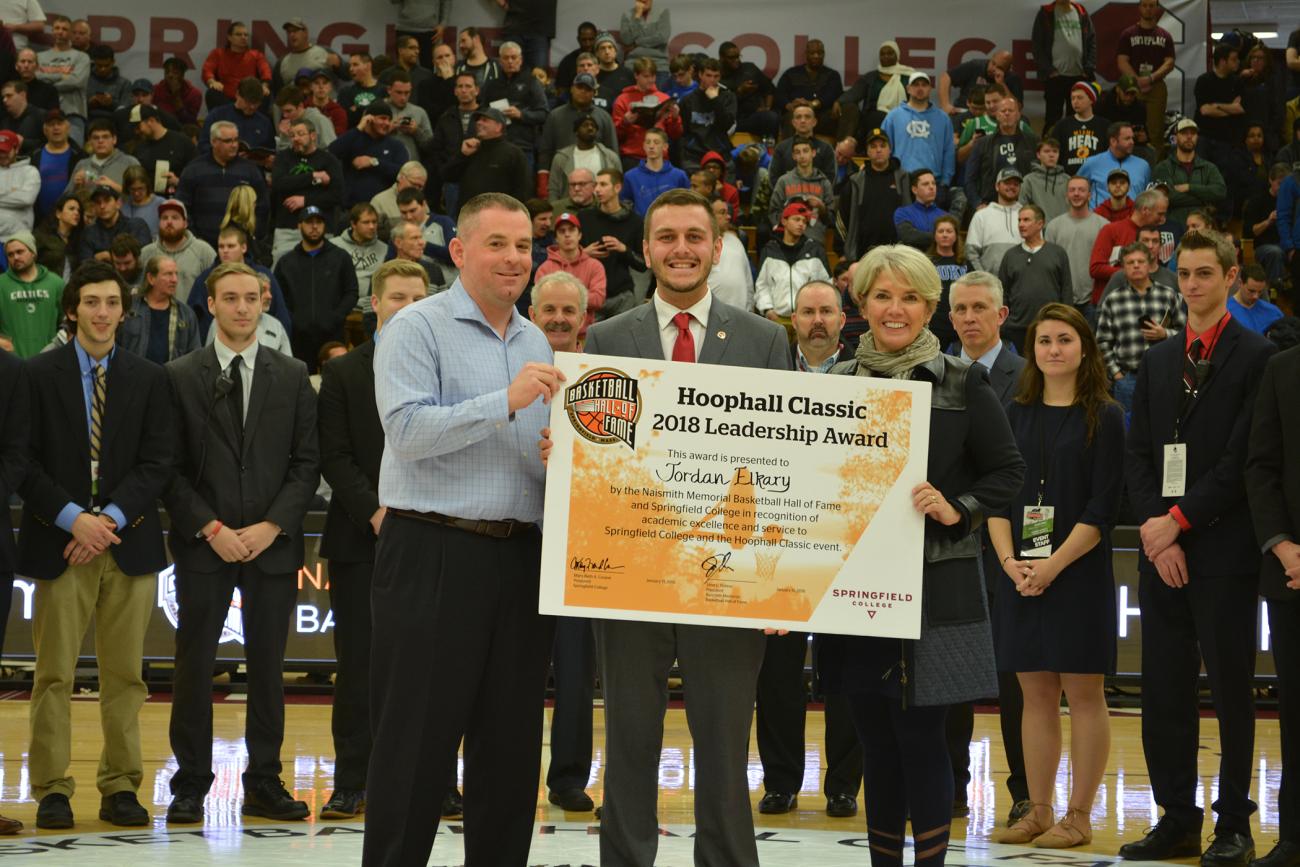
(960, 809)
(1229, 850)
(1164, 842)
(122, 808)
(54, 811)
(1284, 854)
(777, 802)
(453, 805)
(185, 810)
(270, 800)
(344, 804)
(841, 806)
(1019, 810)
(571, 800)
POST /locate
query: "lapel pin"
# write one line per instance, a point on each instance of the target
(722, 335)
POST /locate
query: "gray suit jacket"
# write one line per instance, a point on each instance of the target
(733, 336)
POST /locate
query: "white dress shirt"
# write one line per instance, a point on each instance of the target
(226, 355)
(668, 329)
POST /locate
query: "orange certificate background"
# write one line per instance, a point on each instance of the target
(670, 530)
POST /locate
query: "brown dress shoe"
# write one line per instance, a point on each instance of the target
(10, 826)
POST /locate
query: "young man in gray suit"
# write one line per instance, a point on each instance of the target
(683, 322)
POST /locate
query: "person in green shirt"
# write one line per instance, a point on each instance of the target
(30, 298)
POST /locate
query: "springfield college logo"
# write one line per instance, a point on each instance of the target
(603, 407)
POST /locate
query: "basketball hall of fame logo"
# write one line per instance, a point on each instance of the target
(603, 407)
(231, 630)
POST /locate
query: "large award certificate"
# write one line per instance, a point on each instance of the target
(728, 496)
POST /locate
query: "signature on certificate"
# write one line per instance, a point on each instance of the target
(716, 564)
(591, 564)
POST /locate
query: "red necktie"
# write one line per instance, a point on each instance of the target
(684, 348)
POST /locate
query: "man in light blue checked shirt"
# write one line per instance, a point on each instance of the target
(461, 384)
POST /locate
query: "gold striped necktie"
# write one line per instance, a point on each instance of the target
(96, 426)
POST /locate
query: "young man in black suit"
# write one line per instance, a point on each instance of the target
(100, 449)
(1199, 563)
(247, 469)
(1273, 485)
(351, 444)
(13, 469)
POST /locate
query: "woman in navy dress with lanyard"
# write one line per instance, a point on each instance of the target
(1056, 621)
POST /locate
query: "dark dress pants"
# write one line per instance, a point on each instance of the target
(460, 652)
(6, 597)
(1284, 629)
(1211, 618)
(266, 604)
(781, 718)
(961, 728)
(350, 719)
(574, 663)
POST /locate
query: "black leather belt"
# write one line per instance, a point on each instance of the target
(495, 529)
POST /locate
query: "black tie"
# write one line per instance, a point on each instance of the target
(236, 401)
(1189, 364)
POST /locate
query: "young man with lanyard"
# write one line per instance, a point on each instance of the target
(1199, 561)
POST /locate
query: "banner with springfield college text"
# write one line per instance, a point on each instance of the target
(932, 35)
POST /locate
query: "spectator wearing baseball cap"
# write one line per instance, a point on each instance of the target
(1120, 204)
(920, 132)
(1194, 183)
(558, 132)
(301, 52)
(371, 156)
(568, 255)
(20, 183)
(155, 143)
(54, 160)
(98, 235)
(587, 151)
(1122, 103)
(487, 163)
(869, 198)
(788, 261)
(230, 64)
(175, 95)
(320, 286)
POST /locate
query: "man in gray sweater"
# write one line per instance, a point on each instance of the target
(1033, 273)
(68, 70)
(1076, 231)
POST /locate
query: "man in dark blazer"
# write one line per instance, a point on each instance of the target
(1273, 488)
(977, 310)
(247, 469)
(100, 448)
(13, 469)
(351, 445)
(682, 322)
(1199, 562)
(781, 711)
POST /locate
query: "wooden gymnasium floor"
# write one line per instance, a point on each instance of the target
(1123, 810)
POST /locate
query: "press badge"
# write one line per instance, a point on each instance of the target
(1175, 476)
(1036, 532)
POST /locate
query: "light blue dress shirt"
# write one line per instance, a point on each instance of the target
(451, 443)
(68, 514)
(987, 359)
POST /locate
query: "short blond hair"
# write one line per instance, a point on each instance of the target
(224, 270)
(396, 268)
(908, 264)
